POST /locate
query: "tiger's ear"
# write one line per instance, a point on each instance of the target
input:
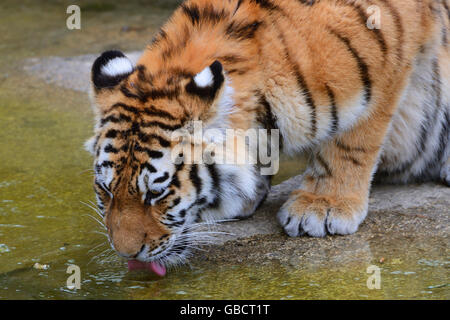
(110, 69)
(208, 83)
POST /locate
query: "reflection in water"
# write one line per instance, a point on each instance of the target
(402, 277)
(45, 175)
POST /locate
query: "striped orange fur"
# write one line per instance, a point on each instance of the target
(360, 101)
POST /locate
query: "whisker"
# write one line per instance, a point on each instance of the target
(93, 208)
(102, 233)
(97, 246)
(86, 170)
(95, 219)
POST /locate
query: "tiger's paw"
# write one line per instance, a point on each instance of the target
(307, 214)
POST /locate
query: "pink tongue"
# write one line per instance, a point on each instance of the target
(155, 267)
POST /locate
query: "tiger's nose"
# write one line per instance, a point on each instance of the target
(129, 253)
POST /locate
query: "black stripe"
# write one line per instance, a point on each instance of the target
(363, 68)
(159, 113)
(422, 144)
(148, 166)
(147, 137)
(134, 128)
(431, 123)
(177, 73)
(162, 178)
(192, 12)
(232, 58)
(110, 149)
(444, 3)
(195, 179)
(309, 99)
(112, 134)
(444, 138)
(104, 190)
(106, 164)
(149, 196)
(324, 164)
(308, 2)
(162, 94)
(215, 177)
(237, 7)
(127, 93)
(122, 160)
(240, 71)
(266, 117)
(364, 18)
(265, 4)
(150, 111)
(162, 35)
(175, 180)
(238, 31)
(175, 202)
(142, 75)
(399, 26)
(206, 13)
(182, 213)
(334, 112)
(163, 236)
(154, 94)
(132, 188)
(302, 86)
(151, 153)
(288, 221)
(168, 194)
(352, 159)
(201, 201)
(97, 138)
(444, 36)
(161, 125)
(445, 129)
(124, 107)
(347, 148)
(437, 88)
(114, 119)
(117, 183)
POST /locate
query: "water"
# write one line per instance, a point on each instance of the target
(45, 176)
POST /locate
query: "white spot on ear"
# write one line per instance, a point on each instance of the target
(117, 66)
(204, 78)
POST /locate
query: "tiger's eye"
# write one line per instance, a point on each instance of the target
(154, 191)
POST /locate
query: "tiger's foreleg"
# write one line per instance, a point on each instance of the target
(333, 197)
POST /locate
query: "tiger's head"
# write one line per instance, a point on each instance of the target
(151, 201)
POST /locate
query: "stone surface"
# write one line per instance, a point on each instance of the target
(406, 219)
(384, 198)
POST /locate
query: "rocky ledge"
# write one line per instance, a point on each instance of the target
(401, 219)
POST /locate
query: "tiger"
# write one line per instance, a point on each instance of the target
(365, 103)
